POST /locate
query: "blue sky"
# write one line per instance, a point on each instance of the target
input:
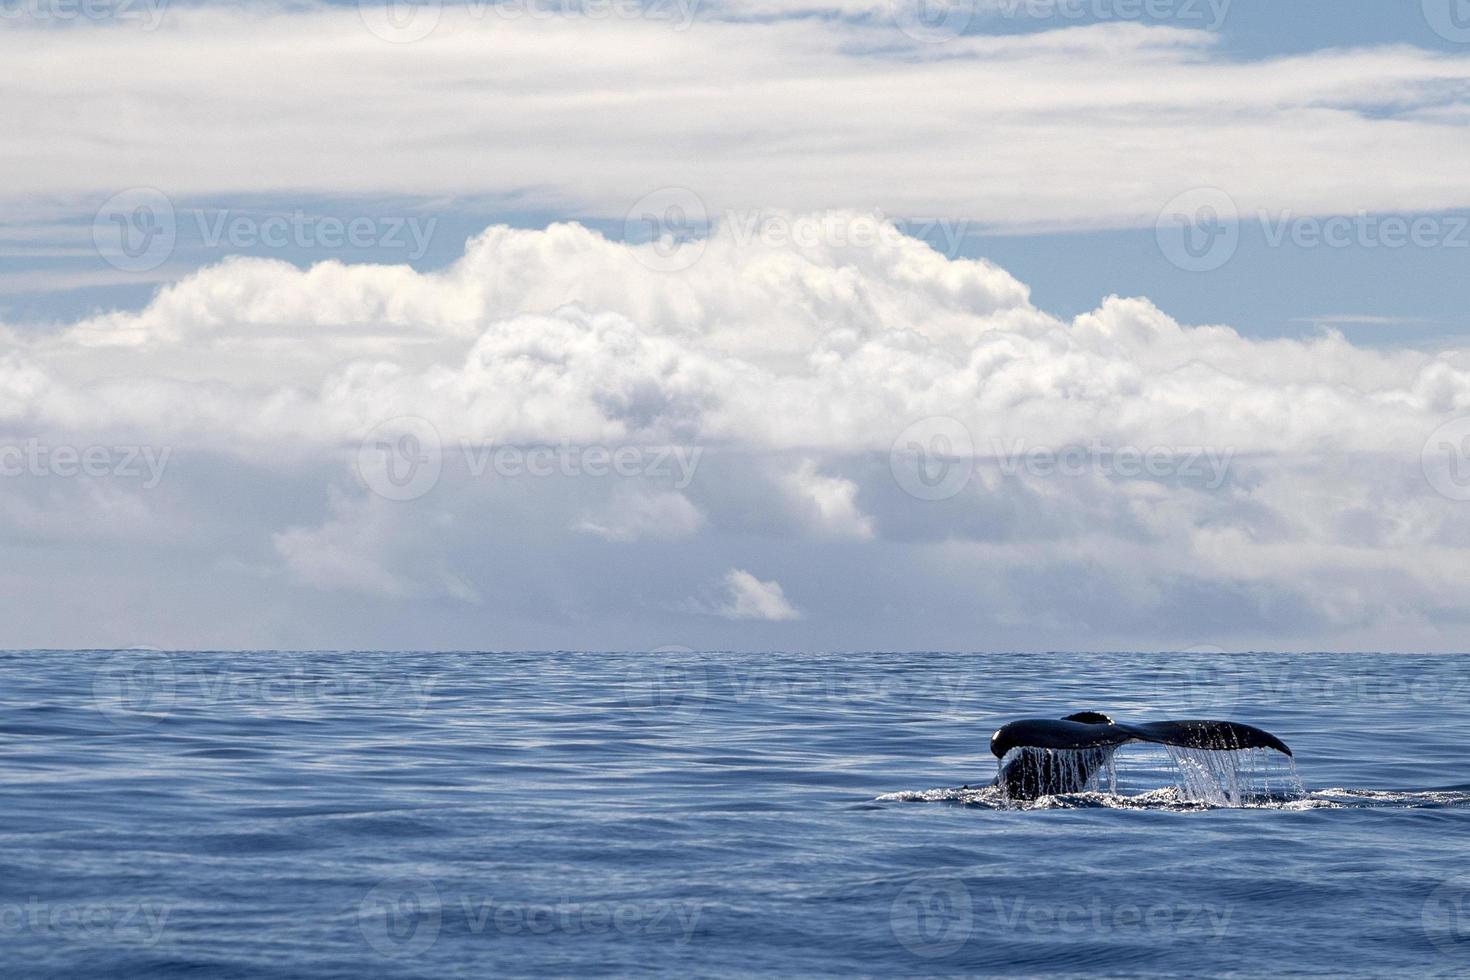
(294, 245)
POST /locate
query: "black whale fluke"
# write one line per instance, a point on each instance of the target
(1093, 737)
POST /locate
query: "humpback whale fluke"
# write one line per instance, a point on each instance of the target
(1090, 738)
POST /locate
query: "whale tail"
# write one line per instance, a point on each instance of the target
(1062, 756)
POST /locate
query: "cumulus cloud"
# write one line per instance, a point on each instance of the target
(632, 514)
(1088, 477)
(750, 598)
(830, 501)
(772, 346)
(350, 551)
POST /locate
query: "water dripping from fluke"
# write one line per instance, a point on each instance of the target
(1087, 759)
(1216, 763)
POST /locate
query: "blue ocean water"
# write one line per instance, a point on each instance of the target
(438, 815)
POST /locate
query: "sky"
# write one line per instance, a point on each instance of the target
(819, 325)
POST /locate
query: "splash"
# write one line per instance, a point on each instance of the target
(1176, 799)
(1169, 775)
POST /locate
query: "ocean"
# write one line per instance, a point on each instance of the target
(350, 814)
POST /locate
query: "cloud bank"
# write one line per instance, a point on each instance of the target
(844, 440)
(811, 107)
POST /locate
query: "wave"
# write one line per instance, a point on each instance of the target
(1177, 798)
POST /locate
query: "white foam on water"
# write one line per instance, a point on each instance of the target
(1141, 775)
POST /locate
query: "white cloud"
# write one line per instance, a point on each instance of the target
(1107, 122)
(633, 513)
(830, 501)
(349, 551)
(750, 598)
(756, 346)
(793, 368)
